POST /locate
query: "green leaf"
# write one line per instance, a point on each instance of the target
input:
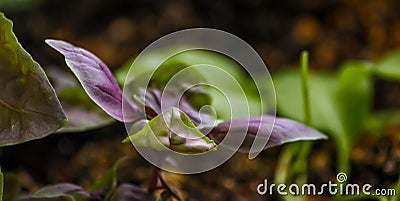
(339, 105)
(195, 57)
(173, 129)
(389, 66)
(160, 77)
(29, 108)
(1, 185)
(325, 114)
(354, 96)
(69, 191)
(167, 69)
(122, 72)
(219, 100)
(84, 115)
(197, 96)
(324, 111)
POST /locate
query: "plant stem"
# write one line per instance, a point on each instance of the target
(304, 86)
(167, 188)
(305, 146)
(300, 161)
(295, 155)
(152, 185)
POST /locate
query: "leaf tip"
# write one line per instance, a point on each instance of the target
(252, 155)
(56, 44)
(126, 140)
(50, 42)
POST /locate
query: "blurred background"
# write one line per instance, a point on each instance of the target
(117, 30)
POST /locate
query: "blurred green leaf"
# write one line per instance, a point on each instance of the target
(70, 191)
(325, 114)
(82, 113)
(122, 72)
(173, 129)
(354, 96)
(119, 174)
(19, 4)
(323, 104)
(389, 66)
(339, 104)
(192, 57)
(108, 182)
(235, 70)
(182, 82)
(29, 108)
(198, 57)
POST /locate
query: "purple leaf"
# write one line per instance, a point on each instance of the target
(70, 191)
(96, 79)
(153, 98)
(284, 131)
(130, 192)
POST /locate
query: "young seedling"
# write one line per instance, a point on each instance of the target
(101, 86)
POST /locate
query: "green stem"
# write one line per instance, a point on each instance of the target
(294, 156)
(304, 86)
(300, 163)
(305, 146)
(343, 156)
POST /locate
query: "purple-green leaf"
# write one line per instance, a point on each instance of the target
(96, 79)
(170, 129)
(29, 108)
(284, 131)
